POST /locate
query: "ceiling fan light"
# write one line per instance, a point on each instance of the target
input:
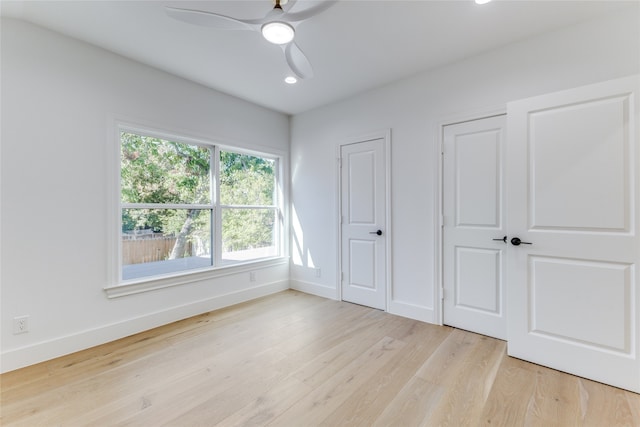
(291, 80)
(278, 32)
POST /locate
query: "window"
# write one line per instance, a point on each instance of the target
(248, 207)
(191, 206)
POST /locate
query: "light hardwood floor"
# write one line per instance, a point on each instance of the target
(293, 359)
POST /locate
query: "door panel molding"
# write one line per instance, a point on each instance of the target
(472, 209)
(464, 296)
(557, 282)
(605, 141)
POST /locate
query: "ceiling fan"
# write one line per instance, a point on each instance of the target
(278, 27)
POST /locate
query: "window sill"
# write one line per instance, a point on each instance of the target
(137, 286)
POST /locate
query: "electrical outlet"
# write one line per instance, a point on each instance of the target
(252, 276)
(20, 325)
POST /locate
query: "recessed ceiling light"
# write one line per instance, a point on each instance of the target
(278, 32)
(291, 80)
(482, 1)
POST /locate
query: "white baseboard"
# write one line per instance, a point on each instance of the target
(416, 312)
(47, 350)
(411, 311)
(314, 289)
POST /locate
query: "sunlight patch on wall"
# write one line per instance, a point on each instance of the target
(300, 255)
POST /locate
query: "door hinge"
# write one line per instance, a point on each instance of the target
(442, 294)
(340, 162)
(341, 276)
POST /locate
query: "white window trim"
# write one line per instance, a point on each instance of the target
(116, 287)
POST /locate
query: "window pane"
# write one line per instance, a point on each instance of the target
(158, 171)
(163, 241)
(246, 180)
(248, 234)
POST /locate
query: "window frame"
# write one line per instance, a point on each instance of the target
(116, 286)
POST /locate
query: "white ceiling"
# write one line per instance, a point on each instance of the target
(354, 46)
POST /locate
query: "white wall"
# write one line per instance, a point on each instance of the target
(59, 97)
(413, 109)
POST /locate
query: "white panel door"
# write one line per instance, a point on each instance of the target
(573, 191)
(363, 212)
(474, 226)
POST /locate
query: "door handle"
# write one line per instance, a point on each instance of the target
(504, 239)
(517, 242)
(379, 232)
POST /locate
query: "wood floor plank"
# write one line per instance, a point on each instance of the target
(215, 407)
(413, 405)
(177, 394)
(555, 400)
(235, 363)
(121, 352)
(366, 404)
(467, 391)
(443, 365)
(292, 359)
(326, 397)
(510, 397)
(158, 362)
(265, 407)
(325, 365)
(334, 329)
(146, 371)
(605, 405)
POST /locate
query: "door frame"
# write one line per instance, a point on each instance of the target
(385, 135)
(438, 289)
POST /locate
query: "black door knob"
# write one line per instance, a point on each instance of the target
(379, 232)
(517, 242)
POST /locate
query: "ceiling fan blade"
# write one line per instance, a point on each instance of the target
(210, 19)
(289, 5)
(308, 13)
(297, 61)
